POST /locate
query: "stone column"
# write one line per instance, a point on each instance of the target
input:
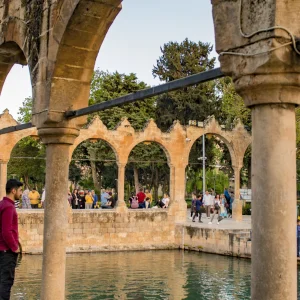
(56, 213)
(237, 206)
(274, 202)
(265, 68)
(3, 177)
(121, 205)
(177, 192)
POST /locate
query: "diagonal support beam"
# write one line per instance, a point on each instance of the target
(149, 92)
(139, 95)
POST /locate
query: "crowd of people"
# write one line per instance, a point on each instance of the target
(145, 200)
(88, 199)
(211, 204)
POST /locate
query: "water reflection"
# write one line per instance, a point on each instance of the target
(142, 275)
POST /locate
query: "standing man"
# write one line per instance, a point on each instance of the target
(34, 197)
(141, 198)
(207, 203)
(9, 239)
(95, 199)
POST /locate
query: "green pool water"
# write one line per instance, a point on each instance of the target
(142, 275)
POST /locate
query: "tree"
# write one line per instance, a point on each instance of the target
(25, 111)
(27, 162)
(106, 86)
(196, 102)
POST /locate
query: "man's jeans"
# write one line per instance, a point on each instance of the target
(142, 205)
(8, 262)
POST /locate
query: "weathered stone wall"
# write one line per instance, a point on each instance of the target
(108, 230)
(103, 230)
(217, 241)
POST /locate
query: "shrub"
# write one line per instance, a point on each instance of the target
(247, 209)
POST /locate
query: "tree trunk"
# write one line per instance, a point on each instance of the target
(136, 179)
(26, 182)
(155, 194)
(92, 153)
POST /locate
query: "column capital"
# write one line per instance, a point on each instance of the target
(256, 48)
(56, 135)
(121, 164)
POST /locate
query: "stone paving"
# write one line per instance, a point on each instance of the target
(224, 224)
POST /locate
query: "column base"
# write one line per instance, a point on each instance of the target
(178, 210)
(121, 207)
(237, 211)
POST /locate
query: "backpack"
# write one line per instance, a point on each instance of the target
(134, 202)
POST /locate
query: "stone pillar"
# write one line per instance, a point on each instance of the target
(178, 205)
(121, 205)
(274, 202)
(56, 213)
(3, 178)
(265, 68)
(237, 206)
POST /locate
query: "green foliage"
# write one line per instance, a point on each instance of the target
(28, 162)
(197, 102)
(232, 105)
(25, 111)
(247, 209)
(214, 179)
(106, 86)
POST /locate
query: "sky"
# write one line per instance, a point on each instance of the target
(132, 43)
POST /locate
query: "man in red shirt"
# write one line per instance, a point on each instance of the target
(9, 239)
(141, 198)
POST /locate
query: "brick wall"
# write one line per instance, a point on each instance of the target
(108, 230)
(101, 230)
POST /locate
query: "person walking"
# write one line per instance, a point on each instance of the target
(198, 205)
(217, 210)
(207, 203)
(34, 197)
(9, 239)
(223, 213)
(228, 203)
(193, 205)
(25, 200)
(89, 200)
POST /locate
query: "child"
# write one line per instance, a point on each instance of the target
(147, 202)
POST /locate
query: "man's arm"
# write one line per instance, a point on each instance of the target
(7, 218)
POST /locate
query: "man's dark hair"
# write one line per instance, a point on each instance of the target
(12, 184)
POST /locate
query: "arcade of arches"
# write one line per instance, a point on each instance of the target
(177, 144)
(60, 40)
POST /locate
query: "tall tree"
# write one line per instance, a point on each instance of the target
(196, 102)
(106, 86)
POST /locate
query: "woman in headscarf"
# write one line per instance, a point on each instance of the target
(25, 200)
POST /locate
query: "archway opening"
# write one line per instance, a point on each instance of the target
(218, 167)
(93, 167)
(28, 163)
(147, 168)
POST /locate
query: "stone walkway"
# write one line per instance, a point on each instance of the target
(228, 224)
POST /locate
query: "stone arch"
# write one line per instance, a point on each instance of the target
(96, 131)
(10, 54)
(11, 139)
(80, 29)
(215, 129)
(151, 133)
(156, 176)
